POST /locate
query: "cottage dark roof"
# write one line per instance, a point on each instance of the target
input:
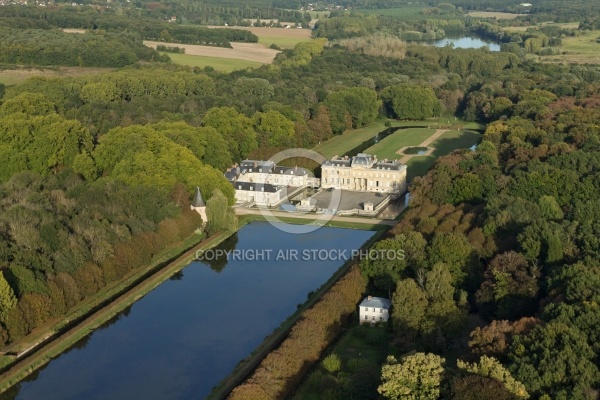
(198, 202)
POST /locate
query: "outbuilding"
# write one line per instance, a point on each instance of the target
(374, 309)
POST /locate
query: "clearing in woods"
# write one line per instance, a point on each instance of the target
(286, 38)
(242, 55)
(19, 74)
(241, 51)
(491, 14)
(218, 63)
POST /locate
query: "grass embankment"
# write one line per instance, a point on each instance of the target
(218, 63)
(96, 310)
(246, 219)
(249, 364)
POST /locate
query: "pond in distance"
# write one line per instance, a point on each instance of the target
(466, 42)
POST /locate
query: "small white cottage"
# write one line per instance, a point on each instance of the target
(374, 309)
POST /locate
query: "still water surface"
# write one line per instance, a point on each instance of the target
(466, 42)
(184, 337)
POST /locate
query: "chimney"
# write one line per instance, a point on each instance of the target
(369, 298)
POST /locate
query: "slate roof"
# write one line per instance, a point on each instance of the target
(267, 167)
(198, 201)
(255, 187)
(376, 302)
(367, 161)
(290, 171)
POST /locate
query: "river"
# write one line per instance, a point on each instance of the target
(184, 337)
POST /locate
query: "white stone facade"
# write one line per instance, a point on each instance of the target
(364, 173)
(373, 310)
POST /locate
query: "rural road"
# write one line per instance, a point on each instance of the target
(282, 214)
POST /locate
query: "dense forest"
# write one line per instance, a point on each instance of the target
(54, 47)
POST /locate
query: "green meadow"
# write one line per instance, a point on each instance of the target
(218, 63)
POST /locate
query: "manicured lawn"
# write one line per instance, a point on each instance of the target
(218, 63)
(340, 144)
(413, 136)
(418, 166)
(453, 140)
(388, 147)
(445, 144)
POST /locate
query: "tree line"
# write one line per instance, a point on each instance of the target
(54, 47)
(147, 28)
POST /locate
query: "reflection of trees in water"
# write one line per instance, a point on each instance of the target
(218, 263)
(177, 276)
(114, 319)
(13, 391)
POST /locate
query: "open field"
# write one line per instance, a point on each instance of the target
(409, 10)
(72, 30)
(315, 15)
(582, 49)
(218, 63)
(497, 15)
(18, 75)
(564, 25)
(282, 37)
(241, 51)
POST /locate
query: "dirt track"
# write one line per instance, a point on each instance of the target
(241, 51)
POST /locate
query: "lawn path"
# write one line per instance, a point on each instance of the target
(425, 143)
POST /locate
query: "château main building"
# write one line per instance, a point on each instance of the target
(365, 173)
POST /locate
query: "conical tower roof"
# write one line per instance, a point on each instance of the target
(198, 202)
